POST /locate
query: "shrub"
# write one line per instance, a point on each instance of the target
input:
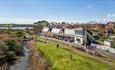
(15, 45)
(19, 33)
(11, 57)
(7, 55)
(113, 43)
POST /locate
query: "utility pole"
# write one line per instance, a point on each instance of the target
(9, 35)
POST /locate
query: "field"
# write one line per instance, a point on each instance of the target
(64, 57)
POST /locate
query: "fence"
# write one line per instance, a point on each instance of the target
(101, 47)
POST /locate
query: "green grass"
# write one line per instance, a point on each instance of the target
(60, 59)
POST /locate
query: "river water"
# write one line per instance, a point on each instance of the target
(23, 63)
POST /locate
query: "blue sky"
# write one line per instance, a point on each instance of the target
(29, 11)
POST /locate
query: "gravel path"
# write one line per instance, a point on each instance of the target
(36, 60)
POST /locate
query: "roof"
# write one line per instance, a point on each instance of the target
(69, 32)
(45, 29)
(111, 22)
(80, 29)
(55, 30)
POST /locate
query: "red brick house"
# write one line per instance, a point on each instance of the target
(110, 25)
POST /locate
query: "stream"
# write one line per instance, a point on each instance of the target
(23, 63)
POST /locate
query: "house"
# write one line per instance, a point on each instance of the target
(110, 25)
(69, 35)
(79, 35)
(45, 31)
(97, 26)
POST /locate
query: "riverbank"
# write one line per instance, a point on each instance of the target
(22, 62)
(65, 57)
(36, 59)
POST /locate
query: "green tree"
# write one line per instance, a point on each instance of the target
(39, 25)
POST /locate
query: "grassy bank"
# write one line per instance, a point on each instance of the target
(62, 59)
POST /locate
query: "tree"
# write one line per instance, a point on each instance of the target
(39, 25)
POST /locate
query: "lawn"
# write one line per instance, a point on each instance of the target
(63, 59)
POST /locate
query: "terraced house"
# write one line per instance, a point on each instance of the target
(78, 35)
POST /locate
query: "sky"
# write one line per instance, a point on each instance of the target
(30, 11)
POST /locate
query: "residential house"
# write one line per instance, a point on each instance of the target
(110, 25)
(79, 35)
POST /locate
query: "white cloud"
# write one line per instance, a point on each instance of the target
(109, 17)
(113, 15)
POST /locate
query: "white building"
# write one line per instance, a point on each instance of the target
(76, 34)
(45, 29)
(71, 35)
(79, 35)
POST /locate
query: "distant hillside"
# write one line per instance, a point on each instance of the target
(17, 25)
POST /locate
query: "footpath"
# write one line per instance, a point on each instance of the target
(36, 60)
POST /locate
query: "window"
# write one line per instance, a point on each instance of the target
(78, 40)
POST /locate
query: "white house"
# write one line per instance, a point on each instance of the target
(45, 29)
(72, 35)
(75, 34)
(79, 35)
(69, 35)
(55, 31)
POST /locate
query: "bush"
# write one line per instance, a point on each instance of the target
(19, 33)
(3, 47)
(9, 49)
(113, 43)
(6, 54)
(100, 34)
(11, 57)
(15, 45)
